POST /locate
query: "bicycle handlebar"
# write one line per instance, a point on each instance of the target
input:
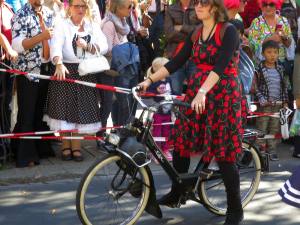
(168, 99)
(180, 103)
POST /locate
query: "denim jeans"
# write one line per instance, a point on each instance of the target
(180, 75)
(123, 108)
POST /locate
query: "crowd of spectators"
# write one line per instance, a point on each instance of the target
(50, 37)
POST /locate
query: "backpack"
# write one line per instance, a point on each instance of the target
(246, 72)
(245, 66)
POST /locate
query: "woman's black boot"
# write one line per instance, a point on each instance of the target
(231, 178)
(172, 199)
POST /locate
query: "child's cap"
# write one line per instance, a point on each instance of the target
(157, 63)
(269, 44)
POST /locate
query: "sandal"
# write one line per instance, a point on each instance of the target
(79, 157)
(66, 157)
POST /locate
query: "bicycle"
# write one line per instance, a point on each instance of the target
(117, 188)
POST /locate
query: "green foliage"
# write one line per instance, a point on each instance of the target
(173, 1)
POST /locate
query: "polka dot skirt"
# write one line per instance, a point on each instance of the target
(73, 103)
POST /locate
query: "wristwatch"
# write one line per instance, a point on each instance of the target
(202, 90)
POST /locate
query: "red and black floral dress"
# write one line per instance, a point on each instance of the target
(218, 131)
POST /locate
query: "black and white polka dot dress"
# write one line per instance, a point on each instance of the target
(73, 106)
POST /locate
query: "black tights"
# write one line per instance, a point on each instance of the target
(230, 176)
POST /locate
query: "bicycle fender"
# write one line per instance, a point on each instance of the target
(152, 206)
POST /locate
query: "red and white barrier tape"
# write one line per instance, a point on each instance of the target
(270, 136)
(256, 114)
(267, 136)
(160, 139)
(85, 83)
(57, 137)
(51, 132)
(157, 139)
(88, 84)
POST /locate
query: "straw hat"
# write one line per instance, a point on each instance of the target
(157, 63)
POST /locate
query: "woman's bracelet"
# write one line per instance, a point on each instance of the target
(150, 80)
(202, 90)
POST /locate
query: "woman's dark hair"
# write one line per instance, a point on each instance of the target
(270, 44)
(221, 12)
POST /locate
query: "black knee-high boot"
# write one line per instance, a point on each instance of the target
(181, 165)
(231, 178)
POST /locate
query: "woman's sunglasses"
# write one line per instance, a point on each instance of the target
(202, 2)
(80, 6)
(271, 4)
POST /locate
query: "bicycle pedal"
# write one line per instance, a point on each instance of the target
(180, 202)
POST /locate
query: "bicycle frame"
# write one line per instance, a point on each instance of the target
(187, 180)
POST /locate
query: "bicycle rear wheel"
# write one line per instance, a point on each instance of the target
(110, 194)
(212, 191)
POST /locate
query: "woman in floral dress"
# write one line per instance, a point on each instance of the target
(271, 26)
(214, 91)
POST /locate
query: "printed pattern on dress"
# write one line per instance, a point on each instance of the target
(26, 24)
(218, 131)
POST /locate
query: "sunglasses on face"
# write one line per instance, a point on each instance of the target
(271, 4)
(80, 6)
(201, 2)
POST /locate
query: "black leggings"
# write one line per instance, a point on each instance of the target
(230, 176)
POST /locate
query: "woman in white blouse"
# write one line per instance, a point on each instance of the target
(73, 106)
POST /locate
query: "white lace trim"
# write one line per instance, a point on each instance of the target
(64, 125)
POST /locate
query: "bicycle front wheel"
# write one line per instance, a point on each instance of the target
(212, 191)
(112, 192)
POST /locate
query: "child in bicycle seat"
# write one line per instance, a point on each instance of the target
(271, 92)
(164, 114)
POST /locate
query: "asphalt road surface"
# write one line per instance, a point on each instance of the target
(54, 203)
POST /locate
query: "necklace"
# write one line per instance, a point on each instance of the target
(208, 37)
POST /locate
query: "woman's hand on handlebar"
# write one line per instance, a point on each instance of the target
(144, 85)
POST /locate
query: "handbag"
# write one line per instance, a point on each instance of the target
(93, 64)
(284, 113)
(295, 125)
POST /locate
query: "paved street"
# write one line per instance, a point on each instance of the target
(52, 201)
